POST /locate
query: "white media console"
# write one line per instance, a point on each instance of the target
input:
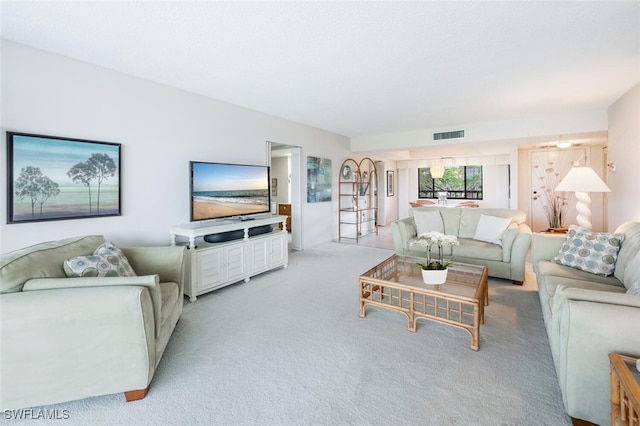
(212, 265)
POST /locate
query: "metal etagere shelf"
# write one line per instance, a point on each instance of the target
(358, 199)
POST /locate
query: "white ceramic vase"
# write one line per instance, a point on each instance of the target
(434, 276)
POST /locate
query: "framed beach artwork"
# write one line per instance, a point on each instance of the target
(57, 178)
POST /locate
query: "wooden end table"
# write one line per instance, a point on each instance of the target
(625, 390)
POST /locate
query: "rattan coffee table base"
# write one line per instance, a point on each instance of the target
(395, 284)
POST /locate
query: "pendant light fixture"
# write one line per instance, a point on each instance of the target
(437, 168)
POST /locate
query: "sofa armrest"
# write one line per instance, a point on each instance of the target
(149, 281)
(65, 344)
(589, 325)
(402, 231)
(514, 251)
(36, 284)
(588, 295)
(545, 247)
(168, 262)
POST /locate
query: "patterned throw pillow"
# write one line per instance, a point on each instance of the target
(594, 252)
(107, 261)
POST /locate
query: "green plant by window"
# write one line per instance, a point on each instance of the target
(460, 182)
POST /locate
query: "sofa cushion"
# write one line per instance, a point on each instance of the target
(44, 260)
(594, 252)
(634, 288)
(468, 222)
(451, 220)
(469, 218)
(552, 269)
(428, 221)
(107, 261)
(477, 249)
(491, 229)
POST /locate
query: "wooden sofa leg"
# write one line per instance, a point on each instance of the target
(580, 422)
(517, 282)
(135, 395)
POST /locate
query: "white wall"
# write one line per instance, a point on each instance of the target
(624, 152)
(588, 155)
(160, 129)
(387, 205)
(478, 132)
(280, 171)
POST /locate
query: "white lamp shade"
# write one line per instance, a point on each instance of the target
(582, 179)
(437, 169)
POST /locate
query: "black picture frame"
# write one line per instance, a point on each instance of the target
(59, 178)
(390, 183)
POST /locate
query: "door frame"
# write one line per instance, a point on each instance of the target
(296, 190)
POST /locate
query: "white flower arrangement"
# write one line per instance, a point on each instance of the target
(428, 239)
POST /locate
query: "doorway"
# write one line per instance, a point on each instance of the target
(285, 163)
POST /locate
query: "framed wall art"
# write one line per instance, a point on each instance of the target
(390, 183)
(57, 178)
(318, 179)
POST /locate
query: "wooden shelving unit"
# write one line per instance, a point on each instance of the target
(358, 199)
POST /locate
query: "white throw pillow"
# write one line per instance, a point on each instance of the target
(491, 229)
(428, 221)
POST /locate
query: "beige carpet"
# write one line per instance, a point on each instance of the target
(288, 348)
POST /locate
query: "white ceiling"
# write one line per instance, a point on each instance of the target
(356, 68)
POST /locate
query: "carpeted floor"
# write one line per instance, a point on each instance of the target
(289, 348)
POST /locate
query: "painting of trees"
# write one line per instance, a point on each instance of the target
(98, 167)
(104, 167)
(35, 186)
(83, 174)
(54, 178)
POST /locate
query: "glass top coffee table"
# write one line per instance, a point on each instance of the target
(397, 284)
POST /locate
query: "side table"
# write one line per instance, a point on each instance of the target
(558, 231)
(625, 390)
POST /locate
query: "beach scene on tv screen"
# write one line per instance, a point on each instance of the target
(224, 190)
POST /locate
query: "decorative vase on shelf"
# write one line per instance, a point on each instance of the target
(434, 276)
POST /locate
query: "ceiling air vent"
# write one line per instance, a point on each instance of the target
(455, 134)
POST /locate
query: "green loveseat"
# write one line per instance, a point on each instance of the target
(71, 338)
(505, 258)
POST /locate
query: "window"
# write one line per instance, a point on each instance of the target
(461, 183)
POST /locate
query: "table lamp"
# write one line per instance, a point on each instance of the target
(582, 180)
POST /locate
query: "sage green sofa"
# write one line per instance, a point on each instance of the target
(588, 316)
(70, 338)
(505, 259)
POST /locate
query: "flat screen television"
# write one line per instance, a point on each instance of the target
(220, 190)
